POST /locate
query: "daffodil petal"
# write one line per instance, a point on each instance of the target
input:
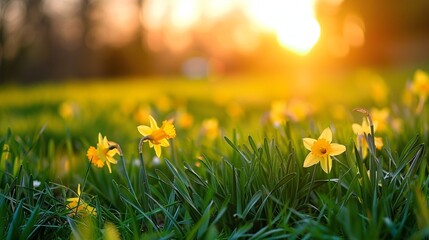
(308, 142)
(108, 166)
(144, 130)
(327, 135)
(337, 149)
(157, 150)
(74, 199)
(375, 124)
(326, 164)
(357, 129)
(105, 142)
(153, 124)
(378, 142)
(310, 160)
(364, 151)
(111, 160)
(164, 143)
(112, 152)
(100, 138)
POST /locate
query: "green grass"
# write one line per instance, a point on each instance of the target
(247, 183)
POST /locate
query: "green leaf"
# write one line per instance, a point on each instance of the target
(16, 223)
(29, 225)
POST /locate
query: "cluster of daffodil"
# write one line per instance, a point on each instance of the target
(106, 150)
(321, 150)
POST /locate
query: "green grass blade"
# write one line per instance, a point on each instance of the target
(17, 220)
(29, 225)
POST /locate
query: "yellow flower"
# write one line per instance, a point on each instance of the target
(420, 87)
(361, 143)
(102, 154)
(278, 113)
(5, 152)
(298, 110)
(321, 150)
(184, 119)
(157, 137)
(210, 128)
(380, 116)
(68, 110)
(235, 110)
(420, 84)
(83, 207)
(111, 232)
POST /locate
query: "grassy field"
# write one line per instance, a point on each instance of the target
(296, 157)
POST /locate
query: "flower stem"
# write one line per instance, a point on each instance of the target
(83, 187)
(130, 186)
(147, 204)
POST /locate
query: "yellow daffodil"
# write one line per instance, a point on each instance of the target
(420, 84)
(321, 150)
(142, 113)
(235, 110)
(278, 113)
(298, 110)
(184, 119)
(157, 136)
(380, 116)
(5, 152)
(111, 232)
(420, 87)
(68, 110)
(210, 128)
(103, 154)
(83, 207)
(361, 131)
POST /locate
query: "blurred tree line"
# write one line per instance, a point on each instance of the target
(60, 39)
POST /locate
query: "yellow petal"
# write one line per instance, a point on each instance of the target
(153, 124)
(164, 143)
(308, 143)
(364, 150)
(112, 152)
(144, 130)
(378, 142)
(327, 135)
(78, 189)
(105, 143)
(111, 232)
(108, 166)
(111, 160)
(326, 164)
(74, 199)
(158, 150)
(375, 124)
(100, 138)
(337, 149)
(310, 160)
(357, 129)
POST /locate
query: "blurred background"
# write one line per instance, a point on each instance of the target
(51, 40)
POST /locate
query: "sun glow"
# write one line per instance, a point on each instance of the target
(292, 21)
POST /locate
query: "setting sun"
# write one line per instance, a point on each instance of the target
(292, 21)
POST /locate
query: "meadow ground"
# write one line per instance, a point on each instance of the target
(224, 158)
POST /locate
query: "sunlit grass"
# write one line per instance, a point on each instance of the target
(234, 167)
